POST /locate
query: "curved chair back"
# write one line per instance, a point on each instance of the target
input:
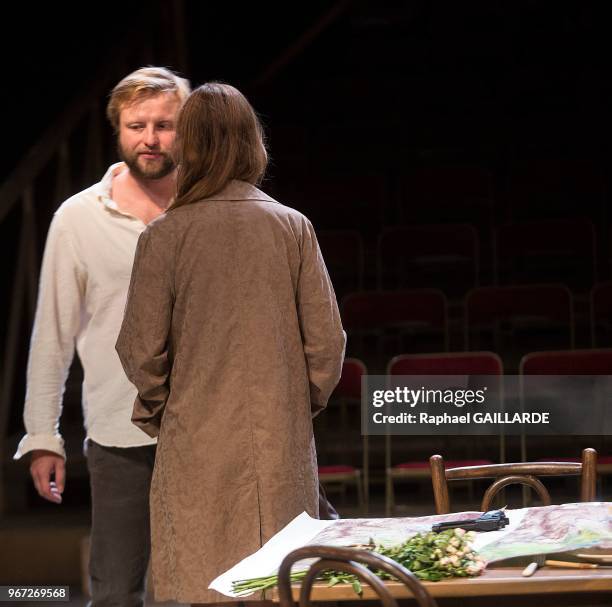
(511, 474)
(348, 560)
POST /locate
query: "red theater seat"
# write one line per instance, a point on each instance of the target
(452, 363)
(336, 427)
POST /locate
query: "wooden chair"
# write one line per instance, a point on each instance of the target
(348, 560)
(513, 474)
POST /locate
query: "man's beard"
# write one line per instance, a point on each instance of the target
(155, 170)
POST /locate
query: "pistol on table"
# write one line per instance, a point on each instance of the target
(489, 521)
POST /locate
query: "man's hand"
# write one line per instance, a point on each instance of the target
(45, 465)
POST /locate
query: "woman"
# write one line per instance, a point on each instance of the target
(233, 338)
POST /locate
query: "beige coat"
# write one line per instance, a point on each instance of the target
(233, 338)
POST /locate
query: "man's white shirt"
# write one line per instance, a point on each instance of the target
(83, 288)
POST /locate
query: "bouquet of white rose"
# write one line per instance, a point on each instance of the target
(430, 556)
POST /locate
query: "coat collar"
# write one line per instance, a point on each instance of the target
(240, 190)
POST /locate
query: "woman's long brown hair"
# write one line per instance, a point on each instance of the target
(219, 138)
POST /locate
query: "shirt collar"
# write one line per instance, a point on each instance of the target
(105, 186)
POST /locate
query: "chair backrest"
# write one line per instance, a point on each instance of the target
(338, 418)
(488, 304)
(601, 313)
(552, 304)
(349, 560)
(511, 474)
(379, 309)
(440, 183)
(564, 363)
(568, 362)
(344, 258)
(425, 255)
(338, 428)
(546, 251)
(542, 188)
(473, 365)
(349, 385)
(451, 363)
(355, 201)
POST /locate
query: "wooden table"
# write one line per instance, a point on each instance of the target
(496, 587)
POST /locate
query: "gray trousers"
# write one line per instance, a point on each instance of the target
(120, 531)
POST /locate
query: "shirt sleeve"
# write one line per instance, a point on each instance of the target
(57, 321)
(322, 335)
(143, 343)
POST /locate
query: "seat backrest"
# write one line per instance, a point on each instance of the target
(511, 474)
(543, 188)
(543, 175)
(353, 561)
(563, 364)
(575, 236)
(343, 251)
(338, 428)
(423, 240)
(355, 201)
(451, 363)
(339, 418)
(429, 184)
(489, 304)
(541, 305)
(379, 309)
(349, 385)
(420, 255)
(474, 366)
(562, 249)
(601, 310)
(567, 362)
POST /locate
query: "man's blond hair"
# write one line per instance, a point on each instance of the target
(143, 83)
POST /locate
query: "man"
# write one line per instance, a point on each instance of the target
(83, 288)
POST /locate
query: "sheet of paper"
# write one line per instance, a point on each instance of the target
(550, 529)
(343, 532)
(268, 558)
(541, 530)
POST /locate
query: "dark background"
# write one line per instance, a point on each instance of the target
(490, 78)
(395, 113)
